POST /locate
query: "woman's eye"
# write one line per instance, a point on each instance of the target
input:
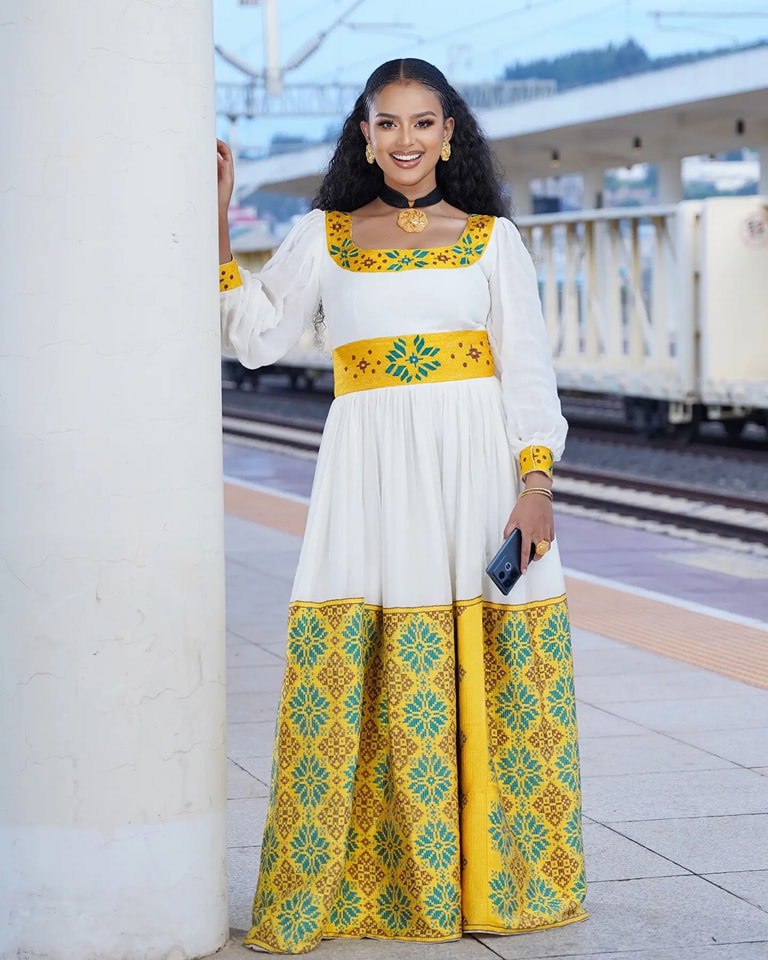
(385, 123)
(425, 123)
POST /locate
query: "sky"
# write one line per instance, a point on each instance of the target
(468, 41)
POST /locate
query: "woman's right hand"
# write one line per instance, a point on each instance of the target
(226, 172)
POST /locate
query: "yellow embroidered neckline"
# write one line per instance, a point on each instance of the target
(346, 253)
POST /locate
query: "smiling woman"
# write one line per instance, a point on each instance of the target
(425, 777)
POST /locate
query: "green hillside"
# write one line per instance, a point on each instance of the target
(583, 67)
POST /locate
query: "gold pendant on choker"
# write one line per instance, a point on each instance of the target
(412, 220)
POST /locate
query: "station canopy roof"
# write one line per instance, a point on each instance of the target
(681, 111)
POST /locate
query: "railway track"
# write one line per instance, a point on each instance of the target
(670, 504)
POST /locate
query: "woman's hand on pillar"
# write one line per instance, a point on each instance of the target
(226, 178)
(226, 171)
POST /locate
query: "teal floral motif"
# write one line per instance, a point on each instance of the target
(562, 702)
(442, 904)
(555, 637)
(514, 643)
(309, 710)
(347, 908)
(520, 771)
(383, 716)
(467, 250)
(268, 849)
(310, 850)
(310, 780)
(518, 705)
(531, 835)
(420, 647)
(394, 907)
(352, 705)
(263, 901)
(573, 832)
(306, 640)
(541, 897)
(382, 778)
(345, 252)
(503, 896)
(426, 714)
(500, 834)
(579, 887)
(567, 766)
(388, 844)
(298, 917)
(413, 364)
(359, 635)
(349, 774)
(438, 845)
(430, 779)
(352, 842)
(406, 258)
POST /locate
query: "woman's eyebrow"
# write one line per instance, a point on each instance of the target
(395, 116)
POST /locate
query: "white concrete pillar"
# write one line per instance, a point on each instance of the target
(112, 706)
(522, 205)
(762, 181)
(593, 179)
(670, 182)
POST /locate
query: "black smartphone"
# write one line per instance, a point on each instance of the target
(504, 569)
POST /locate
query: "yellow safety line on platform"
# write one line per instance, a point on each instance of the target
(730, 649)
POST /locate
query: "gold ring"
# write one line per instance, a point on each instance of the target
(541, 547)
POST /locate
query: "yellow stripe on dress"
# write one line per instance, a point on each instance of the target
(229, 276)
(536, 458)
(411, 358)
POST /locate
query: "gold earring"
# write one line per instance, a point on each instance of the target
(445, 150)
(369, 154)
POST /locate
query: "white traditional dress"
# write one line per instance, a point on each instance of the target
(425, 777)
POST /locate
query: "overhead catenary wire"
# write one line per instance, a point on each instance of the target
(457, 31)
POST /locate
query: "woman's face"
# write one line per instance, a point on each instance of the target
(406, 129)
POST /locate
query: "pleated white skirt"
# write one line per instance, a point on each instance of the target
(413, 487)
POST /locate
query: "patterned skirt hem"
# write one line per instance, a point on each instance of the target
(490, 928)
(468, 928)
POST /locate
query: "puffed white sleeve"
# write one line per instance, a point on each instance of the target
(264, 313)
(522, 353)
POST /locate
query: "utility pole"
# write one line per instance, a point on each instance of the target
(274, 73)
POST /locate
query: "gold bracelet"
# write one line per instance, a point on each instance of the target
(542, 490)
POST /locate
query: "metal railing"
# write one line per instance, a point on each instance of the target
(615, 297)
(336, 99)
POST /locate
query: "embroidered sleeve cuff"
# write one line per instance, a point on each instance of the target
(536, 458)
(229, 276)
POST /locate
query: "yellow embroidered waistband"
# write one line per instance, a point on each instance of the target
(417, 358)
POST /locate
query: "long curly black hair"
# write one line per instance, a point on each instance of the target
(470, 180)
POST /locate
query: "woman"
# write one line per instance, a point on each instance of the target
(425, 776)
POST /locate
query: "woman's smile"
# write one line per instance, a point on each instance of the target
(407, 160)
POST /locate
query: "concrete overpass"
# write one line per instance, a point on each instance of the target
(657, 117)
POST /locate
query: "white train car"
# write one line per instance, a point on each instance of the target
(665, 306)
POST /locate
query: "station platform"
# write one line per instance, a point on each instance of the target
(670, 641)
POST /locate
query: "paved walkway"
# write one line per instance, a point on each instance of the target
(674, 756)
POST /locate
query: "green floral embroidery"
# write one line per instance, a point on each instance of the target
(412, 365)
(344, 252)
(467, 250)
(406, 258)
(348, 255)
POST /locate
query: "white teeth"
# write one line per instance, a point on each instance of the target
(406, 156)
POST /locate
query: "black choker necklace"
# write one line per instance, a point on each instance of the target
(410, 219)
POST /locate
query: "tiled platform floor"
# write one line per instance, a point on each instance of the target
(674, 756)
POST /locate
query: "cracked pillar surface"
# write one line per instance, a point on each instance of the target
(112, 698)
